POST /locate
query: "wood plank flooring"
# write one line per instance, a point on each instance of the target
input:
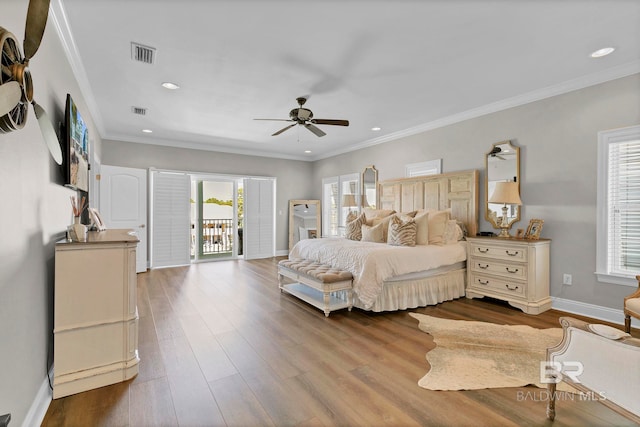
(220, 345)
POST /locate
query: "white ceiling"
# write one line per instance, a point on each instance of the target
(404, 66)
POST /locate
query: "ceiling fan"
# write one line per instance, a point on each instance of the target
(16, 85)
(496, 153)
(304, 117)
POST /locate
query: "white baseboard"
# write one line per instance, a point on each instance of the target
(282, 252)
(590, 310)
(40, 404)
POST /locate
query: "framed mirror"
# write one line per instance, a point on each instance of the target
(304, 220)
(502, 164)
(370, 187)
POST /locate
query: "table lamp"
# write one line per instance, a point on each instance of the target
(506, 193)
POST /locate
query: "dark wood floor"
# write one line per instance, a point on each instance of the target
(220, 345)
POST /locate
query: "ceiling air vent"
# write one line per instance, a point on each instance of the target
(139, 110)
(142, 53)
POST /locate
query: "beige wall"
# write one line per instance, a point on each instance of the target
(35, 213)
(558, 140)
(293, 177)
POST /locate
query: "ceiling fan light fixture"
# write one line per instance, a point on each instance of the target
(602, 52)
(170, 86)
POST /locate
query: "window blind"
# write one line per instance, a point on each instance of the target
(259, 218)
(624, 208)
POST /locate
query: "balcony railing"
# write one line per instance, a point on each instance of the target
(217, 236)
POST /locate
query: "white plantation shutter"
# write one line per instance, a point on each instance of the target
(170, 219)
(624, 208)
(618, 226)
(259, 218)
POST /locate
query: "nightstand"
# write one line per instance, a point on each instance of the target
(509, 269)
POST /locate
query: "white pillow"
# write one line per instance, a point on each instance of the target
(373, 233)
(422, 228)
(437, 226)
(453, 232)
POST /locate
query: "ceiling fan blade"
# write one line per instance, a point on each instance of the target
(277, 120)
(37, 15)
(10, 94)
(48, 133)
(315, 129)
(284, 128)
(335, 122)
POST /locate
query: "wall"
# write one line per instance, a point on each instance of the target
(35, 213)
(558, 140)
(293, 177)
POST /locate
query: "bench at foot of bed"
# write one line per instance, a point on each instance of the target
(320, 285)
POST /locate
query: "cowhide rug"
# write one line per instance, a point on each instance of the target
(472, 355)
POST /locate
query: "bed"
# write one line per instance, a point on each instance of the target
(388, 278)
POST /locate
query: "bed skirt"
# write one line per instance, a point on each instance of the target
(401, 295)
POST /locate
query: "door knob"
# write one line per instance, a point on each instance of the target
(142, 225)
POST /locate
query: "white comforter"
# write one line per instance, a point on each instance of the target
(372, 263)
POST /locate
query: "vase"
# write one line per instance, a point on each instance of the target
(79, 230)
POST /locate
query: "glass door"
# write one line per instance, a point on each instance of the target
(214, 219)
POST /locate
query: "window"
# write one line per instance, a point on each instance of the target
(334, 215)
(431, 167)
(618, 226)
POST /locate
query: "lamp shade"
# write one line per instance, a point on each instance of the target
(506, 192)
(349, 201)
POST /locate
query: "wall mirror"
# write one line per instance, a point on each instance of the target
(304, 220)
(370, 187)
(502, 165)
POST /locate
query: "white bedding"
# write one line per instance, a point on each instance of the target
(372, 263)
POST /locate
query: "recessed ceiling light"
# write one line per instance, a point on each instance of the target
(375, 129)
(171, 86)
(307, 151)
(602, 52)
(147, 130)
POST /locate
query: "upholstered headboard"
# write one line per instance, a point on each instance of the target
(457, 191)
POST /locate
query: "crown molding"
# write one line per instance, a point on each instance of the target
(61, 23)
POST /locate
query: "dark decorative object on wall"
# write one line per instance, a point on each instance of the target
(16, 85)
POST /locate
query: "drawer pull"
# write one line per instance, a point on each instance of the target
(512, 253)
(512, 289)
(484, 267)
(515, 270)
(483, 282)
(483, 251)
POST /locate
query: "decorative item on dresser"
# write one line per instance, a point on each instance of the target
(513, 270)
(95, 316)
(505, 193)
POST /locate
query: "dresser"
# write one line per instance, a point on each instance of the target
(95, 335)
(509, 269)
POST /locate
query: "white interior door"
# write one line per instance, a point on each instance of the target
(123, 204)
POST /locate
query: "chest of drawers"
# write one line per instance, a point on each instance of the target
(513, 270)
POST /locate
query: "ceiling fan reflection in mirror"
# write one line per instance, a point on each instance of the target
(304, 117)
(16, 86)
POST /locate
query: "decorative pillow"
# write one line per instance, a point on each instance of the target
(353, 230)
(403, 215)
(351, 216)
(402, 233)
(422, 228)
(377, 213)
(373, 233)
(384, 221)
(453, 232)
(437, 226)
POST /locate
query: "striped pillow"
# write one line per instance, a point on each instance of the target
(402, 233)
(353, 231)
